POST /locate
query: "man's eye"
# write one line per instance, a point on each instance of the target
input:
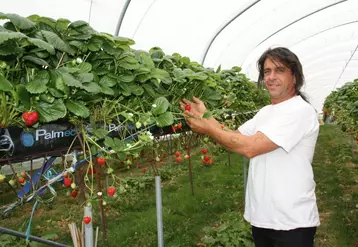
(280, 70)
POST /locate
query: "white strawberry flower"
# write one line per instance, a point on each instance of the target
(79, 60)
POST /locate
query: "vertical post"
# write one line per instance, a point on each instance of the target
(88, 228)
(158, 195)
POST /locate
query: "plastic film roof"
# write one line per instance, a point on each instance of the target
(323, 33)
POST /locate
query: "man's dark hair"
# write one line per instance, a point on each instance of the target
(287, 58)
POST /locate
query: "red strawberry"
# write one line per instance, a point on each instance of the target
(179, 125)
(67, 182)
(179, 159)
(174, 128)
(90, 171)
(101, 161)
(206, 158)
(204, 150)
(177, 154)
(30, 118)
(21, 180)
(188, 107)
(204, 161)
(74, 193)
(144, 170)
(87, 220)
(211, 162)
(111, 191)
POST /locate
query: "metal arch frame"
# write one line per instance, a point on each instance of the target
(345, 67)
(121, 17)
(299, 19)
(314, 12)
(325, 30)
(217, 33)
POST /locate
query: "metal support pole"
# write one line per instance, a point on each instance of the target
(158, 195)
(32, 238)
(88, 228)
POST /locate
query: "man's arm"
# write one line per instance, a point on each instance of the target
(249, 146)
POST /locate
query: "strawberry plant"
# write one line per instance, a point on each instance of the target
(342, 104)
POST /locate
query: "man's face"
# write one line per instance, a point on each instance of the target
(278, 80)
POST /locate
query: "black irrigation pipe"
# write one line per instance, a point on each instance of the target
(33, 238)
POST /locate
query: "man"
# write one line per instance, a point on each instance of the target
(280, 141)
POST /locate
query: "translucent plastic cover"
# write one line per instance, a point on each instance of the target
(323, 33)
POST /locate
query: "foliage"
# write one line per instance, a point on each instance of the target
(342, 105)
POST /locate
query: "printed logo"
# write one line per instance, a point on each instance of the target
(27, 139)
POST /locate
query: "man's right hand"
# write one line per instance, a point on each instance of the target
(198, 107)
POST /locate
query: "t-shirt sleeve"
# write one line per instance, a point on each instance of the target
(287, 130)
(248, 128)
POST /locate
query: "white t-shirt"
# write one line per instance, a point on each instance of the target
(280, 191)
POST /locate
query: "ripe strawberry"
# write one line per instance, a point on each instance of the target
(179, 159)
(90, 171)
(111, 191)
(177, 154)
(30, 118)
(74, 193)
(87, 220)
(67, 182)
(21, 180)
(204, 161)
(188, 107)
(179, 125)
(206, 158)
(144, 170)
(101, 161)
(204, 150)
(211, 162)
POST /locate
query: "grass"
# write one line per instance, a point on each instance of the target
(336, 177)
(218, 191)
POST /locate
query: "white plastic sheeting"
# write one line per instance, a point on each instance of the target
(323, 33)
